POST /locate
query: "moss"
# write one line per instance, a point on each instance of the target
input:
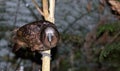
(111, 53)
(64, 65)
(111, 28)
(118, 0)
(78, 55)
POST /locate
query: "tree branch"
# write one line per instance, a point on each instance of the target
(37, 7)
(51, 10)
(45, 9)
(49, 16)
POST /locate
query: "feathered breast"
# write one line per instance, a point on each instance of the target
(29, 36)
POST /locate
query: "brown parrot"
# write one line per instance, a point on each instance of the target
(36, 36)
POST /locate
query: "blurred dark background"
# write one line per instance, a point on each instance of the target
(90, 35)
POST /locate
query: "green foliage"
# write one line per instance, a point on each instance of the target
(78, 54)
(111, 52)
(111, 28)
(119, 0)
(64, 65)
(110, 55)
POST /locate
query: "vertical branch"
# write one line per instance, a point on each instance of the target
(49, 16)
(45, 9)
(51, 10)
(46, 60)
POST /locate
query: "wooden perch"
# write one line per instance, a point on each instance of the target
(51, 10)
(48, 14)
(37, 7)
(45, 9)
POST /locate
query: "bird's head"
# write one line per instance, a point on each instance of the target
(50, 36)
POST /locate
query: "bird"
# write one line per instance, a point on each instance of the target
(36, 36)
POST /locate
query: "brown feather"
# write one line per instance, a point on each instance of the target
(32, 36)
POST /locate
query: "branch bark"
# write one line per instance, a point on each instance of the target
(37, 7)
(49, 16)
(45, 9)
(51, 10)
